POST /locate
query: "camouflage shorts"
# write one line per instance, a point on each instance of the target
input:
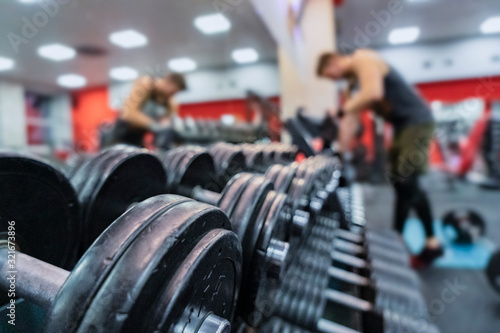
(409, 153)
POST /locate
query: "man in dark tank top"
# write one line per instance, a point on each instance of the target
(382, 89)
(148, 108)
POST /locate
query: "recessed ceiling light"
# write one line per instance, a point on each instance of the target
(123, 73)
(182, 65)
(56, 52)
(491, 25)
(28, 1)
(128, 39)
(6, 64)
(212, 24)
(71, 81)
(245, 56)
(404, 35)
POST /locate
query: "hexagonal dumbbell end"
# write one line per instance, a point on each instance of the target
(276, 258)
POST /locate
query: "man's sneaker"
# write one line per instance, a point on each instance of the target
(426, 257)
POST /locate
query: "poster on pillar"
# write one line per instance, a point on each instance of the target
(284, 20)
(303, 30)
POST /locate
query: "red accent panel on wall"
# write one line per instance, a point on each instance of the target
(90, 109)
(214, 110)
(487, 88)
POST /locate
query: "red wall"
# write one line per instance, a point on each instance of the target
(214, 110)
(487, 88)
(453, 91)
(90, 109)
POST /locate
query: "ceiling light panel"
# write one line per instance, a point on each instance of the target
(128, 39)
(404, 35)
(6, 64)
(123, 73)
(245, 56)
(212, 24)
(56, 52)
(71, 81)
(182, 65)
(491, 25)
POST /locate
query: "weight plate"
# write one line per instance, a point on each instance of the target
(119, 181)
(232, 192)
(254, 160)
(170, 162)
(85, 280)
(81, 174)
(284, 179)
(244, 215)
(233, 163)
(216, 151)
(43, 205)
(254, 268)
(272, 173)
(463, 226)
(493, 271)
(148, 265)
(195, 169)
(260, 287)
(269, 155)
(207, 282)
(296, 192)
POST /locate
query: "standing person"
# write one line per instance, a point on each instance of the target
(382, 89)
(149, 108)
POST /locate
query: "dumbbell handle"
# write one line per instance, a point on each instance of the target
(349, 259)
(350, 301)
(32, 279)
(327, 326)
(200, 194)
(347, 276)
(348, 247)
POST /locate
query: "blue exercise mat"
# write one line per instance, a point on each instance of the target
(475, 256)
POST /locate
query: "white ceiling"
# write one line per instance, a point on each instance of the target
(167, 24)
(438, 19)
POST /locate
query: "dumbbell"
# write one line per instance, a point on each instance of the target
(110, 182)
(376, 262)
(325, 309)
(386, 294)
(183, 165)
(308, 287)
(31, 190)
(383, 266)
(256, 213)
(228, 161)
(146, 272)
(254, 159)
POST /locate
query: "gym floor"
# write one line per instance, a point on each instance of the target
(476, 307)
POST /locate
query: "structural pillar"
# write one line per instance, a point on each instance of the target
(303, 30)
(12, 116)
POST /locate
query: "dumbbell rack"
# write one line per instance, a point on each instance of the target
(341, 276)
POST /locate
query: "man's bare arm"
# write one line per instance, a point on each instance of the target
(371, 83)
(347, 131)
(132, 112)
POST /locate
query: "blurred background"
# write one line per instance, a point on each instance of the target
(67, 67)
